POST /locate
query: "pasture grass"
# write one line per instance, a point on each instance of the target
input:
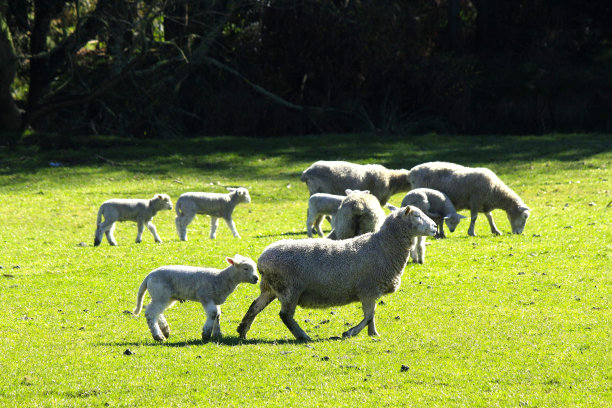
(521, 321)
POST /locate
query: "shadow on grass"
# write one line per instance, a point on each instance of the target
(262, 158)
(282, 234)
(231, 341)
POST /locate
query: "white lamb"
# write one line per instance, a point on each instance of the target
(317, 273)
(209, 286)
(127, 209)
(359, 212)
(214, 204)
(320, 205)
(333, 177)
(436, 205)
(476, 189)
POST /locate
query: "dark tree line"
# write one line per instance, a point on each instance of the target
(165, 68)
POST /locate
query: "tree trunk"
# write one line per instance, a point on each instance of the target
(10, 115)
(454, 25)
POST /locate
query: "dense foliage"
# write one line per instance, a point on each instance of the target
(183, 67)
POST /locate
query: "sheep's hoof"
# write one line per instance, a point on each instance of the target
(159, 338)
(96, 242)
(206, 337)
(348, 333)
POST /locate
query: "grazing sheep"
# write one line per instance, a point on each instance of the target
(318, 273)
(214, 204)
(209, 286)
(476, 189)
(333, 177)
(140, 211)
(436, 205)
(359, 212)
(320, 205)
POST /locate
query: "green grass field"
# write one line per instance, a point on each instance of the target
(512, 320)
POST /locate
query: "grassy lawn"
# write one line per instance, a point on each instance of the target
(512, 320)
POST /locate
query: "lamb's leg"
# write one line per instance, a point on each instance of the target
(211, 316)
(309, 223)
(494, 229)
(182, 221)
(153, 313)
(420, 250)
(259, 304)
(317, 225)
(368, 306)
(232, 226)
(153, 230)
(109, 234)
(216, 332)
(413, 249)
(474, 215)
(99, 234)
(214, 223)
(288, 305)
(140, 230)
(163, 325)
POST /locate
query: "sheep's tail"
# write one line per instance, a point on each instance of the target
(140, 298)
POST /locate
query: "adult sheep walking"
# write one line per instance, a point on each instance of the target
(333, 177)
(316, 273)
(476, 189)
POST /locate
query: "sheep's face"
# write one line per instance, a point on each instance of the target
(163, 202)
(420, 224)
(518, 219)
(242, 193)
(246, 269)
(452, 221)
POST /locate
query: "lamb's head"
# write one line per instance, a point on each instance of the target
(245, 269)
(348, 191)
(412, 222)
(161, 202)
(452, 220)
(241, 193)
(518, 218)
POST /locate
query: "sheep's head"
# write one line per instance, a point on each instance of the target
(246, 269)
(242, 194)
(452, 220)
(518, 218)
(416, 222)
(162, 202)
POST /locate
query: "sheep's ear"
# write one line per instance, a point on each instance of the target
(348, 191)
(365, 191)
(231, 189)
(461, 217)
(408, 210)
(230, 261)
(158, 196)
(392, 207)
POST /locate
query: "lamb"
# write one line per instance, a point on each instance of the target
(318, 273)
(214, 204)
(436, 205)
(140, 211)
(209, 286)
(333, 177)
(319, 205)
(359, 212)
(476, 189)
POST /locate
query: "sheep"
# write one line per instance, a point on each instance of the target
(436, 205)
(333, 177)
(359, 212)
(318, 273)
(209, 286)
(476, 189)
(140, 211)
(214, 204)
(319, 205)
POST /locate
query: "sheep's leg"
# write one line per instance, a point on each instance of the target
(440, 234)
(153, 313)
(109, 234)
(420, 250)
(140, 230)
(182, 221)
(153, 230)
(259, 304)
(232, 226)
(368, 306)
(317, 225)
(474, 215)
(214, 223)
(288, 305)
(99, 234)
(309, 223)
(413, 249)
(494, 229)
(216, 332)
(163, 325)
(211, 316)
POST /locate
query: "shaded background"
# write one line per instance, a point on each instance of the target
(177, 68)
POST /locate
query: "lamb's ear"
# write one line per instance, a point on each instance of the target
(408, 210)
(461, 217)
(158, 196)
(230, 261)
(348, 191)
(391, 207)
(365, 191)
(231, 189)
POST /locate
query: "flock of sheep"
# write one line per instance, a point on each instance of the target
(361, 259)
